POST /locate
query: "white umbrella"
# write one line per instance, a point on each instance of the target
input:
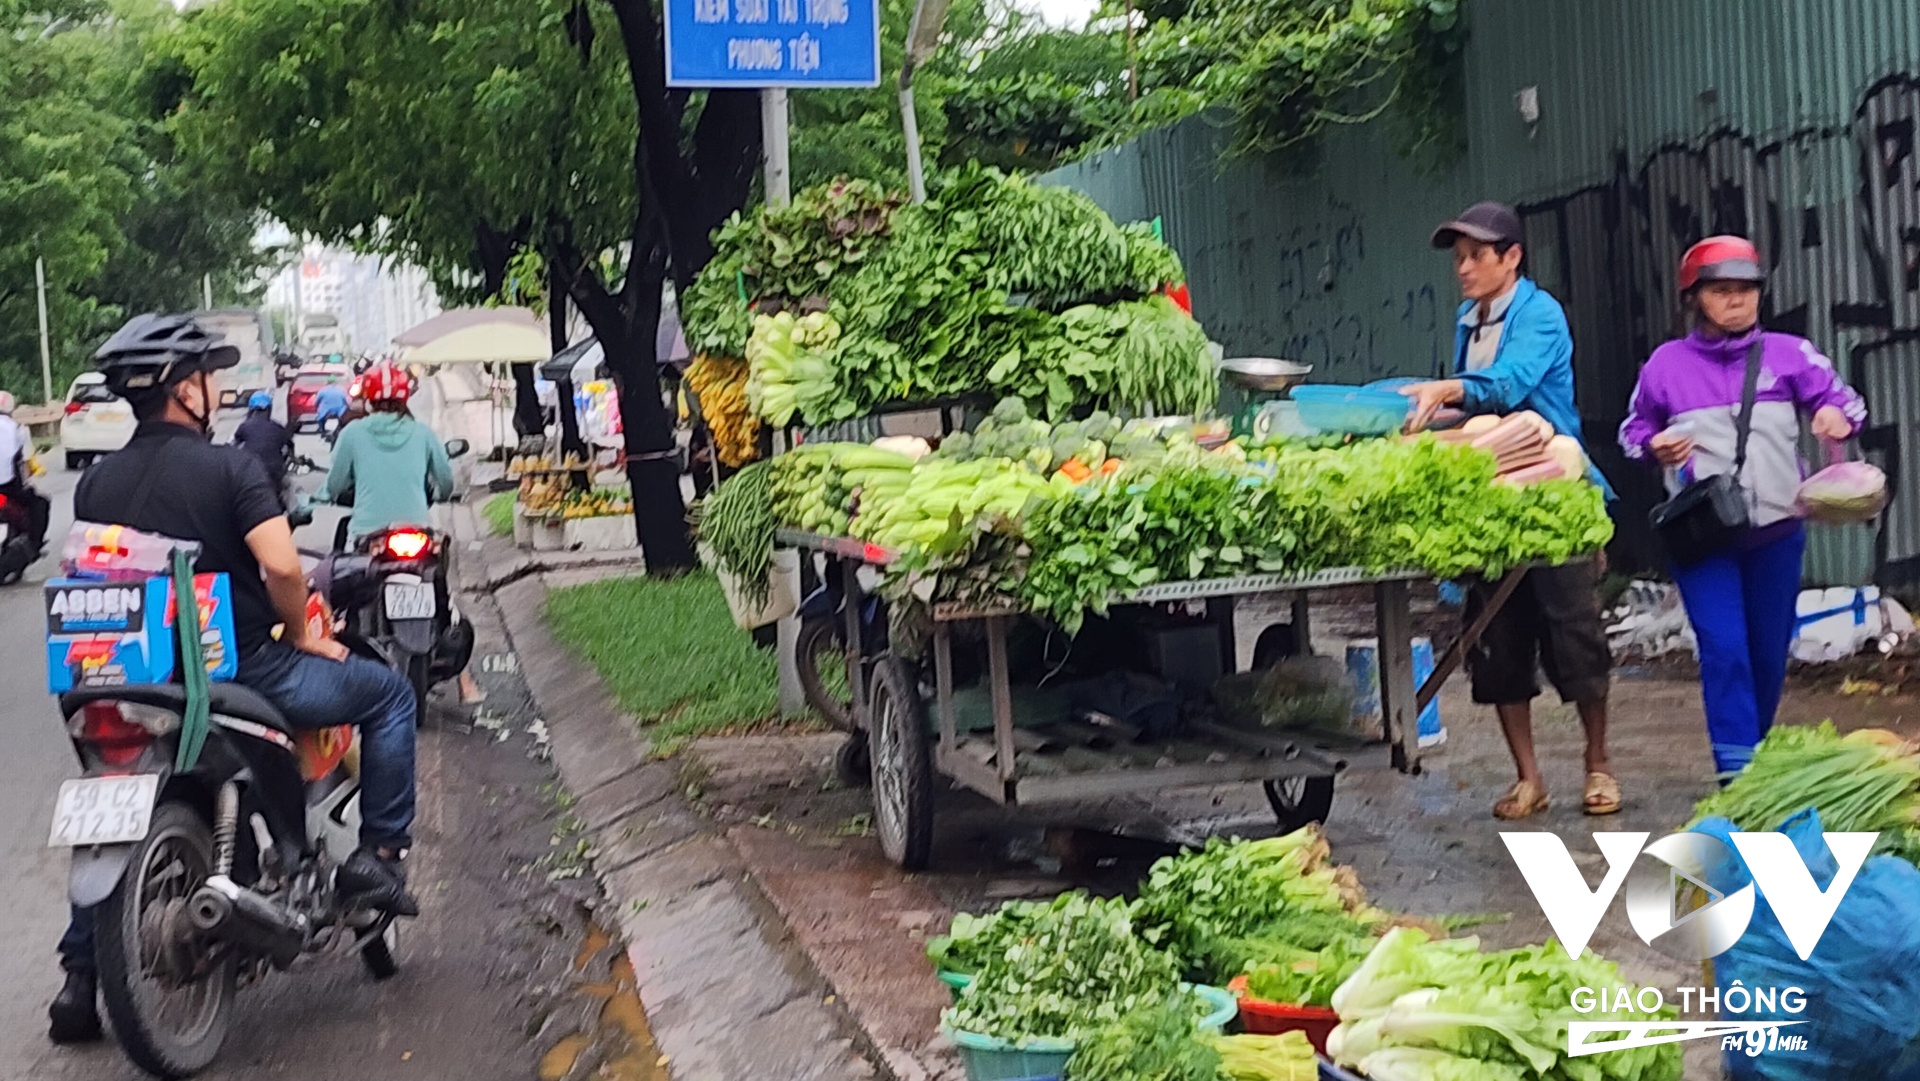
(477, 336)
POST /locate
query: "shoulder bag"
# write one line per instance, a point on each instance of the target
(1707, 515)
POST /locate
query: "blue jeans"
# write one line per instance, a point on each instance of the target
(314, 692)
(1742, 605)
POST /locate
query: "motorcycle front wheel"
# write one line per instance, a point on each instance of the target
(170, 1023)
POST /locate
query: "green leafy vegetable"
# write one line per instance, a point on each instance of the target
(1078, 968)
(1154, 1043)
(1866, 782)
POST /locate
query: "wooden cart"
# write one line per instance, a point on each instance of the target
(1062, 762)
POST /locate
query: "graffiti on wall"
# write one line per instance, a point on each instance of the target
(1844, 266)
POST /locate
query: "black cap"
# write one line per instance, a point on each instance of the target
(1489, 223)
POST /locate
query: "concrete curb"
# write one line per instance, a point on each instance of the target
(728, 995)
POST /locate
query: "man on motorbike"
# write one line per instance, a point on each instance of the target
(390, 465)
(265, 438)
(331, 404)
(172, 481)
(15, 445)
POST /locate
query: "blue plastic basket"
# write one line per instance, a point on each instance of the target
(1352, 410)
(1330, 1072)
(989, 1058)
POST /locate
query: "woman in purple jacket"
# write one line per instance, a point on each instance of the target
(1741, 601)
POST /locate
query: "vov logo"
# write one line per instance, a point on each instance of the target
(1674, 863)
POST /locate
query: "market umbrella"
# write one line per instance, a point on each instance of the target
(477, 336)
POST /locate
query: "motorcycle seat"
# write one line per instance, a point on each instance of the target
(227, 699)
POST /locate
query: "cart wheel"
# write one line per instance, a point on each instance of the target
(1300, 801)
(825, 687)
(852, 763)
(902, 765)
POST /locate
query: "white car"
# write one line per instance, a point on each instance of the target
(96, 422)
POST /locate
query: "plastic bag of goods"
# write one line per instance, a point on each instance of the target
(1844, 493)
(1860, 984)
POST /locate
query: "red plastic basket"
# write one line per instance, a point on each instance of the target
(1263, 1018)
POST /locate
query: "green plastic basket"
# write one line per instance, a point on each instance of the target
(989, 1058)
(956, 982)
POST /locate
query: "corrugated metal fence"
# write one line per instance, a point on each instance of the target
(1793, 121)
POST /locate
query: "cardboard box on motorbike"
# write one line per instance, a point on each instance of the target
(113, 633)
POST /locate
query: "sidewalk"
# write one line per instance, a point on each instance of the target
(725, 993)
(749, 883)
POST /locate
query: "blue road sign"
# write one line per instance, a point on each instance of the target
(757, 43)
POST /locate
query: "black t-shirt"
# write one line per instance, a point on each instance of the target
(169, 480)
(264, 438)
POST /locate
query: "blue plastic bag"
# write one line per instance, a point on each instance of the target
(1862, 983)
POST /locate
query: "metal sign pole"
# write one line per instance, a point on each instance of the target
(46, 347)
(922, 36)
(773, 137)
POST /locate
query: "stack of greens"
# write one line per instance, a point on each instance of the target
(974, 940)
(782, 256)
(1074, 968)
(996, 284)
(1864, 782)
(1418, 1010)
(736, 525)
(1275, 902)
(1158, 1043)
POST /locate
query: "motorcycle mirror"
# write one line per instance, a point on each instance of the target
(457, 447)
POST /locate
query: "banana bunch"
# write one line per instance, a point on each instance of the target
(789, 366)
(721, 383)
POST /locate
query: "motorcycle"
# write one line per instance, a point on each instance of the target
(203, 879)
(392, 595)
(17, 549)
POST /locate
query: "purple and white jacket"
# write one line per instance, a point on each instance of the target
(1696, 382)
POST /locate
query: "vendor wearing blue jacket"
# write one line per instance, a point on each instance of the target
(1513, 353)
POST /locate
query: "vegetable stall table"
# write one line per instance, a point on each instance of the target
(1086, 758)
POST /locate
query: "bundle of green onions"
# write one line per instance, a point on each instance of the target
(1864, 782)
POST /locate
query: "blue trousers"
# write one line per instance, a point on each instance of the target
(314, 692)
(1741, 603)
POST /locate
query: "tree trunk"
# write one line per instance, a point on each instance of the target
(492, 249)
(526, 402)
(570, 441)
(626, 327)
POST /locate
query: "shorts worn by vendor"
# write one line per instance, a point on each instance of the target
(1551, 622)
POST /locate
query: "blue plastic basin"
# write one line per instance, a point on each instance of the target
(1352, 410)
(988, 1058)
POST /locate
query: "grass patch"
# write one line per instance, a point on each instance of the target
(498, 511)
(669, 652)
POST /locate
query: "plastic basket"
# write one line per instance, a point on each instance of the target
(1330, 1072)
(1264, 1018)
(1352, 410)
(989, 1058)
(956, 982)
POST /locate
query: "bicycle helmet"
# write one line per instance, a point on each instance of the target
(260, 400)
(6, 403)
(154, 351)
(1721, 259)
(385, 382)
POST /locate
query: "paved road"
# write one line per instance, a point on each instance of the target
(490, 957)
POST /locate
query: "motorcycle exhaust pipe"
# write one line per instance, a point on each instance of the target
(224, 910)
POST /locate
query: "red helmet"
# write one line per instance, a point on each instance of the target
(1721, 259)
(386, 383)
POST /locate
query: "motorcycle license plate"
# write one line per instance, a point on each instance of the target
(103, 810)
(410, 600)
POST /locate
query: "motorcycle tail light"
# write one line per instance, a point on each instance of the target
(119, 731)
(406, 544)
(76, 407)
(3, 502)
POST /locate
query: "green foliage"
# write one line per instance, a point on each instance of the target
(498, 513)
(1078, 968)
(669, 652)
(1287, 70)
(1860, 783)
(1154, 1043)
(974, 940)
(90, 184)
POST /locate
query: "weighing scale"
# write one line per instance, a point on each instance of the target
(1264, 382)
